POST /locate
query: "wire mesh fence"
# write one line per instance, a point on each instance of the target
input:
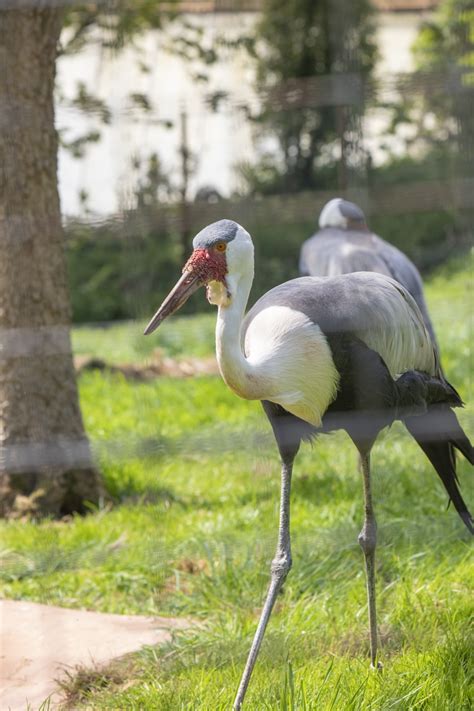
(162, 129)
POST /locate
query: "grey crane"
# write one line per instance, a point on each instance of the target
(345, 244)
(347, 352)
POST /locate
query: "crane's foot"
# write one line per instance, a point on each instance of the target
(378, 666)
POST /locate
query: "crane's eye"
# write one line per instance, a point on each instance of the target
(221, 246)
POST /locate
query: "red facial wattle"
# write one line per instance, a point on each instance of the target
(208, 265)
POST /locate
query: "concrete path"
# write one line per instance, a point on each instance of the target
(38, 641)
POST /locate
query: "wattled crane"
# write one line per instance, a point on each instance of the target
(347, 352)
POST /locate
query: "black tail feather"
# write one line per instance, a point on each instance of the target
(438, 433)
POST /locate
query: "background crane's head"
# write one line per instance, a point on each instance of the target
(223, 253)
(342, 213)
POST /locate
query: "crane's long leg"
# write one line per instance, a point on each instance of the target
(368, 541)
(281, 564)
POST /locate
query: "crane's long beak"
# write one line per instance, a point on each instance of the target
(179, 294)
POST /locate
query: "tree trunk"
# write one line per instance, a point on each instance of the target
(45, 461)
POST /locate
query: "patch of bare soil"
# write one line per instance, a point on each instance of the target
(193, 567)
(158, 365)
(76, 684)
(188, 567)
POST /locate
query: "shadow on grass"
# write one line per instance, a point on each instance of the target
(55, 559)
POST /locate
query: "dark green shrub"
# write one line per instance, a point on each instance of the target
(121, 269)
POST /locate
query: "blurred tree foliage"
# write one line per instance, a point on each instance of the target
(448, 39)
(111, 25)
(440, 110)
(309, 143)
(446, 44)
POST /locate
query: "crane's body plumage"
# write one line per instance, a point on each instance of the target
(283, 353)
(348, 352)
(369, 306)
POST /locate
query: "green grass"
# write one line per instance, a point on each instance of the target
(195, 477)
(124, 342)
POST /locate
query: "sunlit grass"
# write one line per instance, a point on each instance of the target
(125, 343)
(194, 476)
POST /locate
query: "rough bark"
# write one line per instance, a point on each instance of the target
(45, 461)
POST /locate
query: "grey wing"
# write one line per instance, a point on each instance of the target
(403, 270)
(370, 306)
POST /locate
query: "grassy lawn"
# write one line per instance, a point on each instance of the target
(125, 343)
(194, 474)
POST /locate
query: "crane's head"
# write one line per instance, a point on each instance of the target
(223, 253)
(342, 213)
